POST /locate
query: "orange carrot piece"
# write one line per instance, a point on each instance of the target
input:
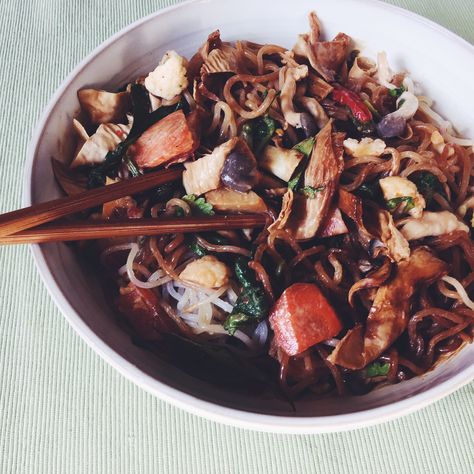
(302, 317)
(169, 140)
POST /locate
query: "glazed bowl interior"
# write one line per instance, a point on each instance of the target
(434, 57)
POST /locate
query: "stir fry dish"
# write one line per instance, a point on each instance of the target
(364, 274)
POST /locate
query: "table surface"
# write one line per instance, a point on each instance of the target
(64, 410)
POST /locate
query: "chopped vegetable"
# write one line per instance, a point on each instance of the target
(428, 185)
(397, 91)
(361, 115)
(377, 369)
(310, 191)
(251, 304)
(199, 204)
(197, 249)
(169, 140)
(258, 132)
(393, 204)
(302, 317)
(306, 146)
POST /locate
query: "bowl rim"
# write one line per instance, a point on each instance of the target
(188, 402)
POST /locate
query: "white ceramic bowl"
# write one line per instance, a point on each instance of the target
(437, 58)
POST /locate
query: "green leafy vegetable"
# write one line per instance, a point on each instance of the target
(397, 92)
(295, 179)
(370, 191)
(258, 132)
(199, 204)
(392, 204)
(428, 184)
(305, 146)
(310, 191)
(234, 321)
(243, 273)
(377, 369)
(251, 304)
(197, 249)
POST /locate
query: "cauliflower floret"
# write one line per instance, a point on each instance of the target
(432, 224)
(365, 147)
(208, 272)
(396, 187)
(169, 78)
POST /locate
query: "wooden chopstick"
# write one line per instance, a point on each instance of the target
(86, 230)
(16, 221)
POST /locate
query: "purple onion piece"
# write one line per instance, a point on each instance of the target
(239, 172)
(392, 125)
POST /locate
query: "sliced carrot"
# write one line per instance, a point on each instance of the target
(302, 317)
(168, 141)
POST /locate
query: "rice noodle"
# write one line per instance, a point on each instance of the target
(460, 290)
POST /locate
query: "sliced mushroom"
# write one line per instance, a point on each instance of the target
(324, 169)
(326, 57)
(291, 75)
(388, 317)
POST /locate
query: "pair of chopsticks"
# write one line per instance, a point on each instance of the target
(35, 224)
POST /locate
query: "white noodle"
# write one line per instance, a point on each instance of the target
(463, 296)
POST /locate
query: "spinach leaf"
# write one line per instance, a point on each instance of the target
(392, 204)
(377, 369)
(243, 273)
(234, 321)
(200, 204)
(428, 185)
(251, 304)
(258, 132)
(197, 249)
(305, 146)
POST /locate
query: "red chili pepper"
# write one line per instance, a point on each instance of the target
(357, 107)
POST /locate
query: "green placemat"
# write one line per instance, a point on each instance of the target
(62, 409)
